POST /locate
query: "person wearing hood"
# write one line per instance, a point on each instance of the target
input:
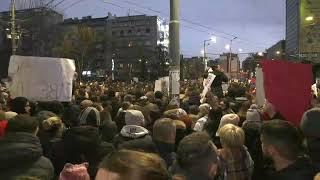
(21, 151)
(21, 105)
(164, 136)
(84, 143)
(281, 142)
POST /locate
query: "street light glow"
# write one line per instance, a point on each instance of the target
(309, 18)
(260, 53)
(227, 47)
(278, 52)
(213, 39)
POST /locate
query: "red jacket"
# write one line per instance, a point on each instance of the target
(3, 127)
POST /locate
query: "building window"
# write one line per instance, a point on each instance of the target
(121, 65)
(148, 30)
(121, 33)
(130, 31)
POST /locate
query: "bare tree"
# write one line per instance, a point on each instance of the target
(77, 44)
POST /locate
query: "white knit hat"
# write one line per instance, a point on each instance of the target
(253, 114)
(134, 117)
(133, 131)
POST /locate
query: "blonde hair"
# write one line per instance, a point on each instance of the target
(52, 122)
(232, 136)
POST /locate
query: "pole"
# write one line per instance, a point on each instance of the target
(174, 49)
(204, 55)
(230, 57)
(13, 28)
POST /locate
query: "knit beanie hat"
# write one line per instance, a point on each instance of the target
(228, 119)
(90, 116)
(310, 123)
(134, 117)
(253, 114)
(133, 131)
(75, 172)
(253, 118)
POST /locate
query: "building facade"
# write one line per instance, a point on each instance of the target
(130, 46)
(123, 48)
(234, 64)
(277, 51)
(302, 29)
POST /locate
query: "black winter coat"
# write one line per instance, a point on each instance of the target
(302, 169)
(21, 155)
(83, 144)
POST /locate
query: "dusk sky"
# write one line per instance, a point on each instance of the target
(258, 24)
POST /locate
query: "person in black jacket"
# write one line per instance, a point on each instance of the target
(216, 87)
(21, 152)
(281, 142)
(84, 143)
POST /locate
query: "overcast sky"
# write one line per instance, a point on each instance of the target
(258, 23)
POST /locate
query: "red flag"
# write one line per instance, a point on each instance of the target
(288, 87)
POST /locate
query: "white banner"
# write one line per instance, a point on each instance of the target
(41, 78)
(206, 85)
(260, 94)
(162, 85)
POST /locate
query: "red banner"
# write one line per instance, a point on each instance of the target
(288, 87)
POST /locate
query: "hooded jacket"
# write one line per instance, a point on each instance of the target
(21, 155)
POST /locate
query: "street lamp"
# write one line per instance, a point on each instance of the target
(309, 18)
(227, 47)
(278, 52)
(213, 39)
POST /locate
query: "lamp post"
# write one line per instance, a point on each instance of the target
(230, 55)
(212, 39)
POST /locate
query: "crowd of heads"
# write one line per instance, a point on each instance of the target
(122, 131)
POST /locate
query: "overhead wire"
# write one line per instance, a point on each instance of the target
(200, 25)
(73, 4)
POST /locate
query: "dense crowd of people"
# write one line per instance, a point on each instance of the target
(122, 131)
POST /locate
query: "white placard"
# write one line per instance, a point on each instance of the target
(206, 85)
(260, 94)
(41, 78)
